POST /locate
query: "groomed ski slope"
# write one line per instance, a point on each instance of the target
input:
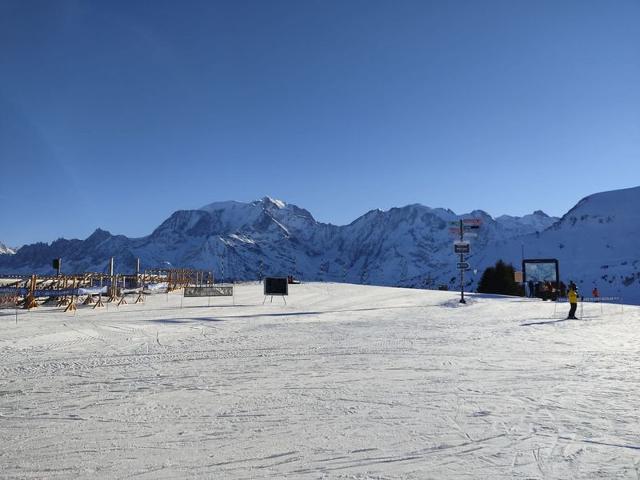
(344, 381)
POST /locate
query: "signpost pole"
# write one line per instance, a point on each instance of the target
(462, 246)
(462, 300)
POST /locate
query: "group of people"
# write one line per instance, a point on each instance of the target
(548, 291)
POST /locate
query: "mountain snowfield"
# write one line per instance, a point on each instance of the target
(6, 250)
(409, 246)
(596, 243)
(342, 381)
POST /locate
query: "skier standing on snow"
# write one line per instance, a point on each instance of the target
(573, 301)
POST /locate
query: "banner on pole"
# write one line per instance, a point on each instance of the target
(209, 291)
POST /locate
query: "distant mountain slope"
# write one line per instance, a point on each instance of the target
(537, 221)
(407, 246)
(4, 250)
(595, 242)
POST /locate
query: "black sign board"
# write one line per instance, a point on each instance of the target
(461, 248)
(276, 286)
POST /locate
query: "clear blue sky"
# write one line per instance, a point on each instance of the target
(115, 114)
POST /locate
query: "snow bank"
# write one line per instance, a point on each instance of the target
(343, 381)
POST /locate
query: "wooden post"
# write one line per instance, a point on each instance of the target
(30, 300)
(62, 301)
(113, 286)
(99, 303)
(72, 306)
(124, 285)
(140, 298)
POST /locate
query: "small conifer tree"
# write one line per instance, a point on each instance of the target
(499, 279)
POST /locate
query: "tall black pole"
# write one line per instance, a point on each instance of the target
(462, 300)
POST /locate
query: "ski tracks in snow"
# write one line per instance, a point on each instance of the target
(362, 383)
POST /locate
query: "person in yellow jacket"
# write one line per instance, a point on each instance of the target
(573, 301)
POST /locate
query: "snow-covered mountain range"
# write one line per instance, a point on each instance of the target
(408, 246)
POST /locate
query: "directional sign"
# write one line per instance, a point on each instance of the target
(472, 221)
(467, 221)
(461, 247)
(462, 266)
(466, 233)
(465, 228)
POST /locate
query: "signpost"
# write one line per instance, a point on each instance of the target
(463, 228)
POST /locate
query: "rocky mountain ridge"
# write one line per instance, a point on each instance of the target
(408, 246)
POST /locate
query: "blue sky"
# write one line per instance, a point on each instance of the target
(115, 114)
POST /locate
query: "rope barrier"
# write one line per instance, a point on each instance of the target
(601, 299)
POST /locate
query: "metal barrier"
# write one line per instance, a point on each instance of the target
(602, 301)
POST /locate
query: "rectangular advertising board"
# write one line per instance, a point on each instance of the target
(209, 291)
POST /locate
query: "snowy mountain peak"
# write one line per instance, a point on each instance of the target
(4, 250)
(266, 203)
(273, 202)
(537, 221)
(212, 207)
(98, 235)
(477, 214)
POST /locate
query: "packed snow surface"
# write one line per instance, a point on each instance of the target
(343, 381)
